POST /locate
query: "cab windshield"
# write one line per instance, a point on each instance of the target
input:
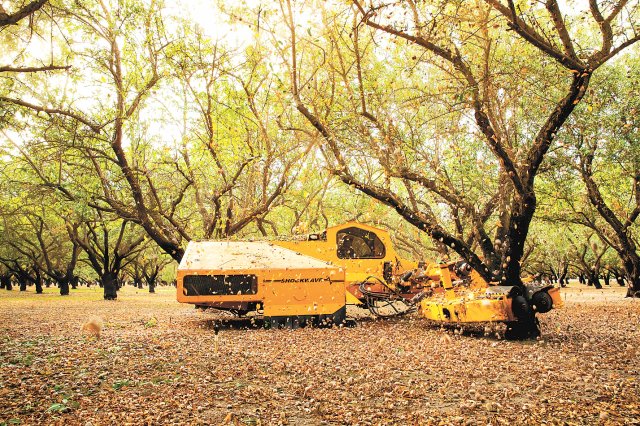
(356, 243)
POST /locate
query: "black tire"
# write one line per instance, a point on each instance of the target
(350, 323)
(527, 326)
(542, 302)
(522, 309)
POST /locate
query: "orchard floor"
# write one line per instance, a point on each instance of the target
(156, 364)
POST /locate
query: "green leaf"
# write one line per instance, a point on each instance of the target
(58, 408)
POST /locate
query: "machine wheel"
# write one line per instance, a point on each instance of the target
(325, 321)
(521, 308)
(527, 326)
(542, 302)
(330, 320)
(280, 322)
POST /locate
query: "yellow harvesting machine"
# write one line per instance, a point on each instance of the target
(311, 280)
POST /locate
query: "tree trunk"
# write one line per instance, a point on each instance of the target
(23, 284)
(633, 290)
(74, 282)
(581, 279)
(631, 263)
(6, 281)
(521, 214)
(563, 276)
(620, 280)
(63, 283)
(109, 282)
(607, 278)
(38, 284)
(151, 280)
(594, 281)
(633, 285)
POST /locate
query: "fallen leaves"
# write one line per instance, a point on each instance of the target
(584, 369)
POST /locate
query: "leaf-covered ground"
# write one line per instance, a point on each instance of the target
(156, 364)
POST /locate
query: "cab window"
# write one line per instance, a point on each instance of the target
(356, 243)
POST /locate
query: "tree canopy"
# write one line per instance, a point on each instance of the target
(500, 131)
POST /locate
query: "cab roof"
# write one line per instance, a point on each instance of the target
(355, 224)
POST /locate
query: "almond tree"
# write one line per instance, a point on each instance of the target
(607, 161)
(33, 232)
(224, 172)
(109, 246)
(467, 51)
(147, 266)
(619, 235)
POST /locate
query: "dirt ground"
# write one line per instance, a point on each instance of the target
(156, 363)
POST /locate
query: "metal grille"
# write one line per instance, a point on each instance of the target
(217, 285)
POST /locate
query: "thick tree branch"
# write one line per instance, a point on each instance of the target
(561, 28)
(625, 244)
(454, 58)
(8, 68)
(419, 221)
(531, 35)
(605, 28)
(11, 19)
(636, 211)
(616, 10)
(53, 111)
(616, 50)
(554, 122)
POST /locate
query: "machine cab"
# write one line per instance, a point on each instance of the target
(362, 250)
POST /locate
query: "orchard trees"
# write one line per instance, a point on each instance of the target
(178, 132)
(470, 120)
(605, 160)
(452, 93)
(33, 231)
(109, 245)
